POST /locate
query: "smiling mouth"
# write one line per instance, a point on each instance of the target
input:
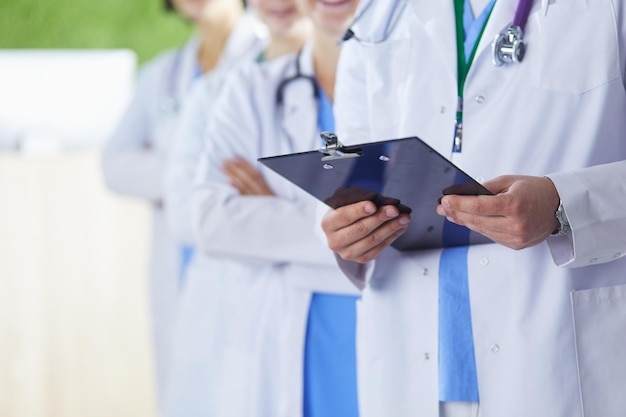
(334, 3)
(281, 13)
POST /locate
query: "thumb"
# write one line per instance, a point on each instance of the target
(499, 184)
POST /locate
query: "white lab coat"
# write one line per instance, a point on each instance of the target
(134, 164)
(549, 322)
(191, 367)
(264, 256)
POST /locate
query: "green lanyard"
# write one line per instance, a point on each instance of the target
(463, 67)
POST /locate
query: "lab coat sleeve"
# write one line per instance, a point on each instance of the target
(351, 102)
(183, 157)
(270, 229)
(131, 162)
(593, 199)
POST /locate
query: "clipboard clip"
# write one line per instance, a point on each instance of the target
(333, 149)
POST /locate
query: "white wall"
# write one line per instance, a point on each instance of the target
(74, 338)
(74, 334)
(62, 99)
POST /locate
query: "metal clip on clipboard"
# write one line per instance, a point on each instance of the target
(333, 149)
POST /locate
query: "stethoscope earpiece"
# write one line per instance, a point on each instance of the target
(392, 19)
(349, 34)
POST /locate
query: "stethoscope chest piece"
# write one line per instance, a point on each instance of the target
(508, 46)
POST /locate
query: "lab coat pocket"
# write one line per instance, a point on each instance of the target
(577, 46)
(600, 329)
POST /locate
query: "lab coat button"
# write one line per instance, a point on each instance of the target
(443, 109)
(618, 255)
(593, 260)
(425, 271)
(480, 180)
(494, 348)
(426, 356)
(480, 99)
(484, 261)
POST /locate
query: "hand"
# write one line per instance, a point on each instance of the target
(245, 178)
(359, 232)
(521, 214)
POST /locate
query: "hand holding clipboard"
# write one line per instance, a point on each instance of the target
(405, 173)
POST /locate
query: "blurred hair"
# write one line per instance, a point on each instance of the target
(169, 6)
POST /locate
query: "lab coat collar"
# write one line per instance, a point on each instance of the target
(185, 67)
(249, 37)
(299, 109)
(438, 21)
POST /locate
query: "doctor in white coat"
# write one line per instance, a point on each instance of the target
(547, 302)
(196, 346)
(134, 157)
(258, 232)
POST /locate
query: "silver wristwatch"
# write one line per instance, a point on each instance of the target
(564, 227)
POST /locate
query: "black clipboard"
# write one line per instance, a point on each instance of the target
(404, 172)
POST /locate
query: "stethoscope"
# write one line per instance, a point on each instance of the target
(171, 102)
(507, 47)
(390, 24)
(280, 91)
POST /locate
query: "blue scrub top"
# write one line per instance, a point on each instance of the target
(457, 363)
(330, 347)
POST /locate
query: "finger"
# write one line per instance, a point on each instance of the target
(361, 236)
(233, 179)
(249, 179)
(253, 177)
(519, 231)
(372, 253)
(346, 216)
(481, 224)
(239, 169)
(341, 217)
(506, 231)
(499, 184)
(481, 205)
(243, 188)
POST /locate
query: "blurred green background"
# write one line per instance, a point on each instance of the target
(141, 25)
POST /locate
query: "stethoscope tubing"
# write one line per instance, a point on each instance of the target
(521, 13)
(508, 46)
(280, 91)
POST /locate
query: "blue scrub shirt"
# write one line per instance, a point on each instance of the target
(457, 363)
(330, 347)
